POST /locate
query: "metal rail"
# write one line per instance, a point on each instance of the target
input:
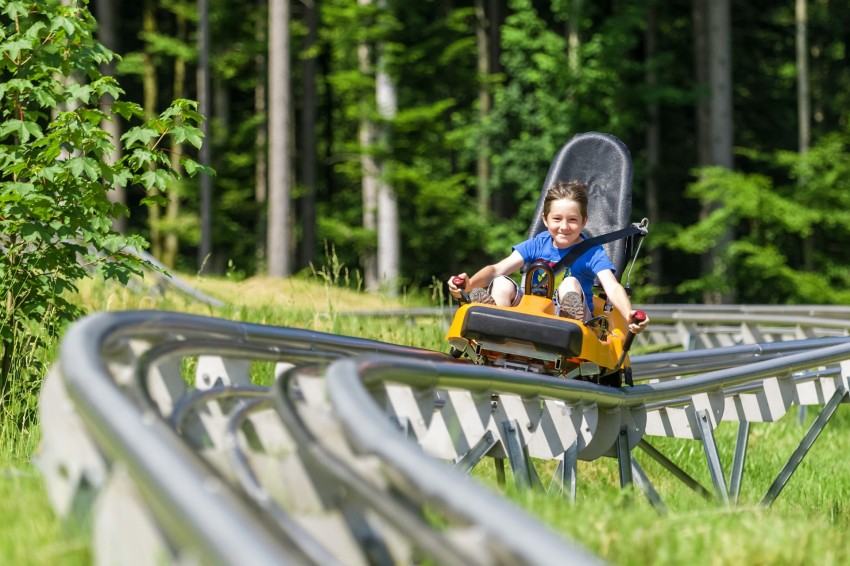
(699, 326)
(140, 417)
(338, 461)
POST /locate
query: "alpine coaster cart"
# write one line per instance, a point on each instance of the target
(530, 336)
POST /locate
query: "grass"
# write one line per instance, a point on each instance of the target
(30, 532)
(806, 525)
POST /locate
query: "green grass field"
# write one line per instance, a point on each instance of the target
(806, 525)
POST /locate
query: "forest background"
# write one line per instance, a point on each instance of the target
(417, 134)
(408, 140)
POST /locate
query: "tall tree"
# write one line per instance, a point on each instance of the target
(55, 217)
(108, 36)
(150, 103)
(279, 229)
(261, 137)
(205, 250)
(720, 75)
(653, 138)
(803, 105)
(367, 138)
(720, 142)
(389, 247)
(181, 52)
(482, 36)
(308, 149)
(699, 17)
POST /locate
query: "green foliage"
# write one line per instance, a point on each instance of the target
(432, 138)
(55, 211)
(545, 89)
(532, 116)
(787, 245)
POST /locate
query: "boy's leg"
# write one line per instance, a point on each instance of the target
(505, 291)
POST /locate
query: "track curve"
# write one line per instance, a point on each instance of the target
(357, 451)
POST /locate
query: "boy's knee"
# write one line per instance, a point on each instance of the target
(569, 284)
(500, 284)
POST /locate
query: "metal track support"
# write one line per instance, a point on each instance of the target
(500, 471)
(671, 467)
(740, 457)
(516, 454)
(566, 473)
(475, 454)
(624, 458)
(646, 487)
(804, 447)
(709, 445)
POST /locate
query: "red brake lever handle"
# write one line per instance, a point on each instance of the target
(460, 282)
(638, 317)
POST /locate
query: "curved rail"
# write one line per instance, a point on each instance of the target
(319, 468)
(115, 368)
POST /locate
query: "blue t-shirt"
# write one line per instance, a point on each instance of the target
(584, 268)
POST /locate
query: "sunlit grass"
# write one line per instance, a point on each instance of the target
(30, 531)
(807, 524)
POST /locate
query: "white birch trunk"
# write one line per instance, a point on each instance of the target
(389, 250)
(278, 244)
(366, 137)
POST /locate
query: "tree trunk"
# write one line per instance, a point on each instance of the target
(366, 138)
(308, 139)
(205, 249)
(107, 35)
(495, 41)
(389, 249)
(804, 109)
(653, 143)
(278, 244)
(151, 102)
(171, 245)
(484, 106)
(720, 78)
(573, 37)
(703, 114)
(260, 141)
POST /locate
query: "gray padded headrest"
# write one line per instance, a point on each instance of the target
(605, 164)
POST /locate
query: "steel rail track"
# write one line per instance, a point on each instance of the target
(344, 456)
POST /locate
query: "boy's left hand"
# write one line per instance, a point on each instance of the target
(637, 327)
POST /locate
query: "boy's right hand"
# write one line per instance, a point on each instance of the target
(457, 284)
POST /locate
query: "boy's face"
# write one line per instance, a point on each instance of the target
(564, 222)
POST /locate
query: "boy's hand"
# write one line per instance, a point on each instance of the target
(638, 320)
(457, 284)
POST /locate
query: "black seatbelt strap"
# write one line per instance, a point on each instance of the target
(585, 245)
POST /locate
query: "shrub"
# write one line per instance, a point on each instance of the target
(55, 172)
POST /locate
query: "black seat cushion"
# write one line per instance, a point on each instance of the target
(559, 336)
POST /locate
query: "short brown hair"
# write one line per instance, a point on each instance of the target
(573, 190)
